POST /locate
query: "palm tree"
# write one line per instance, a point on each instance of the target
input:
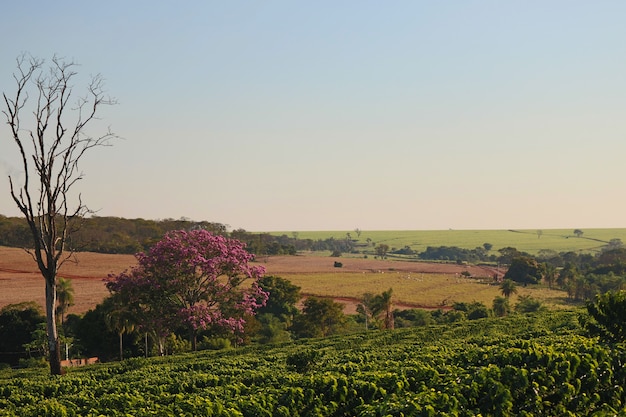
(550, 275)
(508, 287)
(119, 319)
(501, 306)
(366, 308)
(384, 306)
(65, 297)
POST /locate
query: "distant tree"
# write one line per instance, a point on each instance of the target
(501, 306)
(487, 246)
(567, 274)
(611, 257)
(539, 234)
(50, 148)
(191, 279)
(507, 254)
(550, 275)
(383, 303)
(580, 288)
(614, 244)
(550, 257)
(607, 315)
(377, 309)
(382, 249)
(525, 270)
(366, 309)
(320, 317)
(578, 232)
(358, 232)
(508, 288)
(406, 250)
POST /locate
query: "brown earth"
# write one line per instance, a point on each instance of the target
(20, 280)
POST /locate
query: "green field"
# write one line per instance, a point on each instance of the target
(560, 240)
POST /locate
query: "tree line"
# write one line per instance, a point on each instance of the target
(116, 235)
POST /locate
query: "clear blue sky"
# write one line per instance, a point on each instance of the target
(327, 115)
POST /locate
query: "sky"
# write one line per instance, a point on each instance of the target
(336, 115)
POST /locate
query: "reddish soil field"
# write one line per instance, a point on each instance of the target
(310, 264)
(20, 280)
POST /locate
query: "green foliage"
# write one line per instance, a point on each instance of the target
(273, 329)
(539, 365)
(501, 306)
(508, 288)
(527, 304)
(320, 317)
(94, 338)
(608, 316)
(17, 324)
(473, 311)
(65, 297)
(214, 343)
(525, 270)
(378, 308)
(413, 317)
(303, 361)
(282, 297)
(106, 234)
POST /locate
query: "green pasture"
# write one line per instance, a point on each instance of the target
(531, 241)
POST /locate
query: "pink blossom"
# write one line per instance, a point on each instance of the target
(192, 277)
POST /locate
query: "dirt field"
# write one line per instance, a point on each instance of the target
(20, 280)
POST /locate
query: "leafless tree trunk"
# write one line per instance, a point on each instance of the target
(50, 149)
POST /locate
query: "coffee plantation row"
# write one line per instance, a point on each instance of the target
(533, 365)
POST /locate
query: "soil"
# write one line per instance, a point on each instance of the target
(21, 281)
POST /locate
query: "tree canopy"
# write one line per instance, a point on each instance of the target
(320, 317)
(525, 270)
(608, 314)
(193, 279)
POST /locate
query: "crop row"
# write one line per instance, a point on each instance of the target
(531, 365)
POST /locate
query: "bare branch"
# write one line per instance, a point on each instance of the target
(50, 152)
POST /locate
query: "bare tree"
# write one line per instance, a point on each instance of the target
(47, 124)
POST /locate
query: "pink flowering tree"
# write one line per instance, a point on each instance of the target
(191, 278)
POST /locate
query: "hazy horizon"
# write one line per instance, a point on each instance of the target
(328, 116)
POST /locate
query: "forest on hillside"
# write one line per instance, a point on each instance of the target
(117, 235)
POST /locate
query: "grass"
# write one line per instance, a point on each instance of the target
(416, 289)
(559, 240)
